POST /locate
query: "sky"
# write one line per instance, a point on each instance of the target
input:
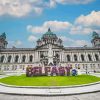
(25, 21)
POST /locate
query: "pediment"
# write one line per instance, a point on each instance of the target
(46, 46)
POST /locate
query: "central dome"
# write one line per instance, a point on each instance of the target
(49, 34)
(49, 37)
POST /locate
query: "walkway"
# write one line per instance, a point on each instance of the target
(90, 96)
(50, 91)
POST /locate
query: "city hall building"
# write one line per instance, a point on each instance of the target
(50, 51)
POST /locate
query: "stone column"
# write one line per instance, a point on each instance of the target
(5, 58)
(72, 58)
(20, 58)
(93, 56)
(86, 57)
(27, 58)
(13, 58)
(79, 57)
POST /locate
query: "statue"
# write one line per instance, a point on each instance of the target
(50, 54)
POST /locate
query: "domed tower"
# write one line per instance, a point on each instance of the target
(49, 38)
(95, 39)
(3, 42)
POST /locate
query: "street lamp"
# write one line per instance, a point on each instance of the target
(86, 70)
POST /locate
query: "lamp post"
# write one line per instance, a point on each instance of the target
(86, 70)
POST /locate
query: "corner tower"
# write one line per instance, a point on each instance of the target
(3, 42)
(95, 39)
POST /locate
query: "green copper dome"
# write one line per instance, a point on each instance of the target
(49, 34)
(95, 35)
(3, 35)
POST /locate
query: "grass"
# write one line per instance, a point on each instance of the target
(49, 80)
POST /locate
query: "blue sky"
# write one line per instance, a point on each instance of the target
(24, 21)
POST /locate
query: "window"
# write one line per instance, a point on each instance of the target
(31, 58)
(16, 58)
(23, 58)
(89, 57)
(96, 57)
(57, 55)
(2, 59)
(82, 57)
(41, 56)
(75, 58)
(9, 59)
(68, 57)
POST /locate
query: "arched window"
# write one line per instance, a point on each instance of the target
(23, 58)
(89, 57)
(31, 58)
(96, 57)
(2, 59)
(16, 58)
(9, 59)
(75, 58)
(68, 57)
(82, 57)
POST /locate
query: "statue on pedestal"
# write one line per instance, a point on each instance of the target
(50, 54)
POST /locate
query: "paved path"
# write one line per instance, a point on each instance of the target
(89, 96)
(50, 91)
(95, 74)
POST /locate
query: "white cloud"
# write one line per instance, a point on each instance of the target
(52, 3)
(14, 8)
(16, 43)
(74, 43)
(54, 25)
(73, 1)
(86, 24)
(20, 8)
(92, 19)
(81, 43)
(80, 30)
(32, 38)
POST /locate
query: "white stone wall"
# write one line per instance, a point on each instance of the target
(20, 66)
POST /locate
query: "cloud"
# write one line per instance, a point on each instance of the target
(32, 38)
(16, 43)
(81, 43)
(90, 20)
(74, 43)
(54, 25)
(14, 8)
(86, 24)
(20, 8)
(73, 1)
(80, 30)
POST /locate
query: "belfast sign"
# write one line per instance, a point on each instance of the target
(50, 71)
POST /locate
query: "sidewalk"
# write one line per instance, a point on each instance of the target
(50, 91)
(95, 74)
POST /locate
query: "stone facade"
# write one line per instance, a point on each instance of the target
(51, 52)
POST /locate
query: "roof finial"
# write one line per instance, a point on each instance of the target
(49, 30)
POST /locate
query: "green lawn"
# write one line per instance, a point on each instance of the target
(49, 80)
